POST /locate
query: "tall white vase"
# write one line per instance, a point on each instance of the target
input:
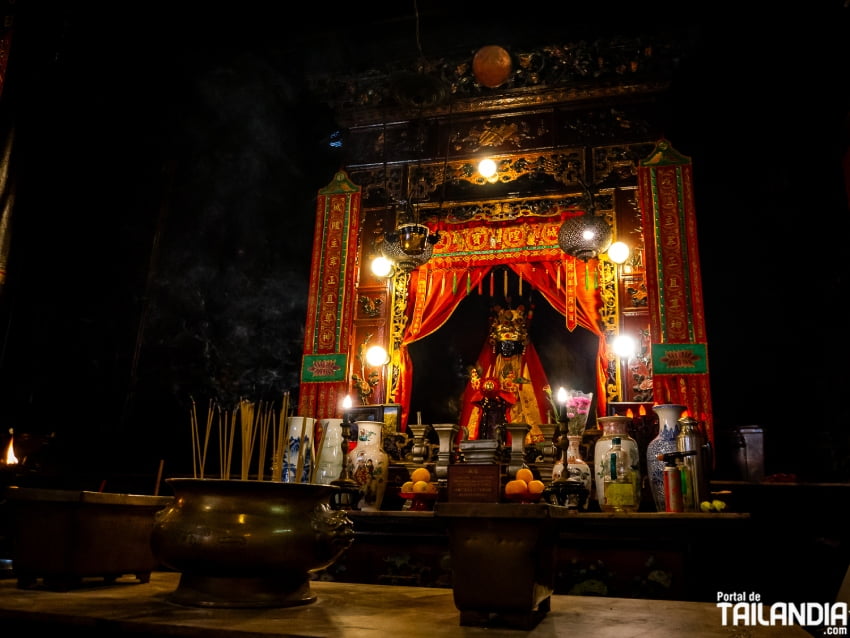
(369, 465)
(329, 460)
(299, 450)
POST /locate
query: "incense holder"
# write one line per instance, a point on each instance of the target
(248, 543)
(62, 537)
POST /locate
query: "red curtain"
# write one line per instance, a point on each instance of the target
(556, 289)
(435, 294)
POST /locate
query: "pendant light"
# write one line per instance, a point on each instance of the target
(588, 235)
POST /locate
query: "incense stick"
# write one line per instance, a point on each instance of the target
(302, 439)
(210, 415)
(319, 449)
(249, 435)
(158, 477)
(196, 445)
(264, 436)
(281, 439)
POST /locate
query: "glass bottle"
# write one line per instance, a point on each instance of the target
(621, 492)
(369, 465)
(615, 426)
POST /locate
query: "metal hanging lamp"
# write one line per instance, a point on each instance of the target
(588, 235)
(410, 244)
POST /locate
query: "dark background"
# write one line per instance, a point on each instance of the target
(166, 163)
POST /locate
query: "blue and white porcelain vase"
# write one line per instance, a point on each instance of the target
(298, 450)
(663, 443)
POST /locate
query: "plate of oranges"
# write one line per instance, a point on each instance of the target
(420, 490)
(524, 488)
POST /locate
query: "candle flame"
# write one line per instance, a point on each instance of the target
(562, 395)
(11, 459)
(630, 414)
(642, 411)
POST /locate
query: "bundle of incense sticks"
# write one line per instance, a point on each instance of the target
(280, 436)
(257, 426)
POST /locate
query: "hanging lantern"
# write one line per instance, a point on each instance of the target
(409, 246)
(585, 236)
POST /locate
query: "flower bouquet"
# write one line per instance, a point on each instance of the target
(573, 409)
(577, 407)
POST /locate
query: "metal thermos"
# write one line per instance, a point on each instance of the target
(690, 438)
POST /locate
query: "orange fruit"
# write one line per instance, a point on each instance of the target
(432, 488)
(535, 487)
(524, 474)
(516, 487)
(420, 474)
(407, 488)
(421, 486)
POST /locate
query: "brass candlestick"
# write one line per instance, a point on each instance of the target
(349, 494)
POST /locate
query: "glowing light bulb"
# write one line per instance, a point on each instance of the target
(382, 267)
(487, 168)
(377, 356)
(623, 346)
(618, 252)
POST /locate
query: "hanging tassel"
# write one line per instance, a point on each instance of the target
(506, 283)
(454, 283)
(468, 283)
(520, 284)
(480, 285)
(443, 284)
(559, 276)
(586, 278)
(491, 283)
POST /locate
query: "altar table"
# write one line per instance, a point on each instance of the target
(129, 607)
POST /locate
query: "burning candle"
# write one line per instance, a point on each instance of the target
(562, 399)
(346, 406)
(10, 457)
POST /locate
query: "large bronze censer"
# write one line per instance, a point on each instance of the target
(243, 543)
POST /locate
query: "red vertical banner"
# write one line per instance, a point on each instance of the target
(7, 199)
(330, 302)
(677, 322)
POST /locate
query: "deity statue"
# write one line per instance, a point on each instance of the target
(501, 388)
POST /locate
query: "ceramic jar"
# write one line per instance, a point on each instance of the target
(571, 467)
(663, 443)
(369, 464)
(616, 426)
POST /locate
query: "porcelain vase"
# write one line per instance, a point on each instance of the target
(330, 457)
(572, 467)
(616, 427)
(663, 443)
(369, 464)
(298, 450)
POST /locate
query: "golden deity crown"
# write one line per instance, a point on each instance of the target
(508, 325)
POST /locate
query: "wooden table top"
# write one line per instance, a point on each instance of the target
(343, 609)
